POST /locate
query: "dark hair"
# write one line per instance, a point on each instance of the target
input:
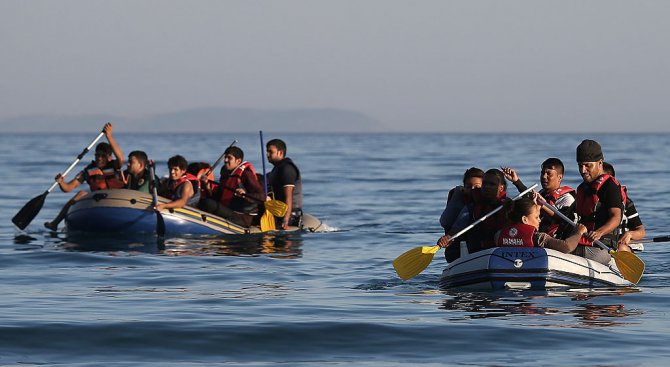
(177, 161)
(554, 163)
(195, 167)
(472, 172)
(103, 148)
(500, 175)
(278, 143)
(516, 209)
(235, 152)
(140, 156)
(609, 169)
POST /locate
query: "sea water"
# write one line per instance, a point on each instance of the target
(316, 299)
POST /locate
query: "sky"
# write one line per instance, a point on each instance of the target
(425, 66)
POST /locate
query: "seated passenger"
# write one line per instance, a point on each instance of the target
(632, 227)
(238, 193)
(460, 196)
(562, 197)
(484, 200)
(138, 175)
(182, 187)
(523, 228)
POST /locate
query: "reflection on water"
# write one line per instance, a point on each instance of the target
(286, 246)
(570, 308)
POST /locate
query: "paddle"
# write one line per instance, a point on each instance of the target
(30, 210)
(665, 238)
(160, 222)
(267, 220)
(414, 261)
(276, 207)
(221, 157)
(630, 266)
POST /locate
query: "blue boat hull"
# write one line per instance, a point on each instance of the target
(127, 211)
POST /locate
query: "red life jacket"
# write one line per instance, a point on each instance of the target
(174, 185)
(516, 235)
(233, 181)
(588, 202)
(105, 178)
(551, 198)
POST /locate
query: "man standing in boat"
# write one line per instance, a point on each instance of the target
(599, 203)
(238, 193)
(101, 174)
(285, 182)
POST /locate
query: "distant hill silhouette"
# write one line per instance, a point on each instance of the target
(207, 119)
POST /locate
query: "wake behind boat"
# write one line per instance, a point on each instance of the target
(528, 268)
(128, 211)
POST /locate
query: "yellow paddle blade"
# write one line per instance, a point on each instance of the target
(267, 222)
(412, 262)
(276, 207)
(630, 266)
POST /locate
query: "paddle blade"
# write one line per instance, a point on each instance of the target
(276, 207)
(160, 225)
(267, 222)
(29, 211)
(630, 266)
(414, 261)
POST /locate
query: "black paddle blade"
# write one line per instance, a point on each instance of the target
(160, 225)
(29, 211)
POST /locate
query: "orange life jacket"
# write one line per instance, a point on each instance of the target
(552, 198)
(173, 185)
(105, 178)
(233, 181)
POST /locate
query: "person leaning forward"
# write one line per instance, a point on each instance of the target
(285, 183)
(238, 193)
(102, 173)
(599, 203)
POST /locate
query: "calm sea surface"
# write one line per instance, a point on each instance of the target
(319, 298)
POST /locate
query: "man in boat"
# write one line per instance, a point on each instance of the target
(599, 203)
(182, 188)
(102, 173)
(484, 200)
(238, 193)
(285, 183)
(460, 196)
(138, 176)
(632, 227)
(554, 193)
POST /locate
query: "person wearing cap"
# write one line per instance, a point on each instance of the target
(599, 203)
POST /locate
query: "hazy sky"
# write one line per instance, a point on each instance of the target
(412, 65)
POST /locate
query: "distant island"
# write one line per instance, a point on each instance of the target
(206, 119)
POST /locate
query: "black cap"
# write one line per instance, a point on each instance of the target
(589, 151)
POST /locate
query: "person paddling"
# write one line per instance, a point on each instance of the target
(523, 228)
(102, 173)
(233, 198)
(484, 200)
(599, 203)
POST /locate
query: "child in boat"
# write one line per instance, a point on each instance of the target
(138, 176)
(522, 229)
(102, 173)
(182, 187)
